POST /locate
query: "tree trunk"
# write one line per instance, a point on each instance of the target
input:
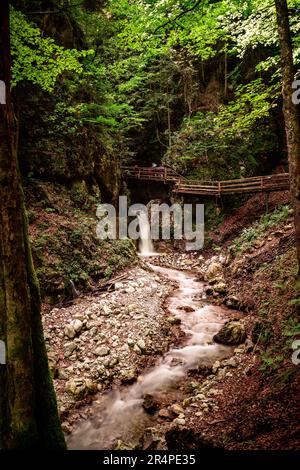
(292, 124)
(28, 409)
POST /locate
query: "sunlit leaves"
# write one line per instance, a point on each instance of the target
(37, 59)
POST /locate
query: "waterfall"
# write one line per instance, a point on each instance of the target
(145, 245)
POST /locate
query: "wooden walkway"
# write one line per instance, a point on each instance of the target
(277, 182)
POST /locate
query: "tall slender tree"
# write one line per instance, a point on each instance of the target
(28, 408)
(290, 111)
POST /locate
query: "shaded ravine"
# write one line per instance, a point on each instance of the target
(120, 414)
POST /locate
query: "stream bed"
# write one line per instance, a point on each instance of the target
(120, 414)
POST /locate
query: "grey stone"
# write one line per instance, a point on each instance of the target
(102, 351)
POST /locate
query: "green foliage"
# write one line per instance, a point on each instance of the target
(291, 329)
(258, 229)
(270, 361)
(37, 59)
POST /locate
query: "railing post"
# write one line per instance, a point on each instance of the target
(219, 187)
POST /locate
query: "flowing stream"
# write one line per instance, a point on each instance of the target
(120, 414)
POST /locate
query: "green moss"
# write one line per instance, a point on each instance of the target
(65, 246)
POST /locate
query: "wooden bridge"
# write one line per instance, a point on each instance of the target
(276, 182)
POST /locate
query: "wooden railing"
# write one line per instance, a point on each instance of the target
(150, 173)
(256, 184)
(276, 182)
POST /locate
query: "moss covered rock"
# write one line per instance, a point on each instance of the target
(231, 334)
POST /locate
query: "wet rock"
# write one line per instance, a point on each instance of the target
(66, 427)
(174, 320)
(232, 301)
(176, 409)
(150, 440)
(209, 290)
(164, 413)
(231, 334)
(129, 376)
(150, 403)
(214, 271)
(187, 309)
(220, 288)
(120, 445)
(216, 367)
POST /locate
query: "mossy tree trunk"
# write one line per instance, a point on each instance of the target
(28, 408)
(291, 117)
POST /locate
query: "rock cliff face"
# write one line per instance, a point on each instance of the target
(57, 143)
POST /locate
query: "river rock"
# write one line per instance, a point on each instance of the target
(232, 301)
(231, 334)
(164, 413)
(142, 345)
(76, 387)
(174, 320)
(73, 328)
(53, 362)
(106, 310)
(150, 403)
(120, 445)
(129, 376)
(70, 348)
(70, 331)
(214, 271)
(180, 421)
(102, 351)
(176, 409)
(187, 309)
(220, 288)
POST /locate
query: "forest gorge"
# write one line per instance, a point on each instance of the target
(176, 350)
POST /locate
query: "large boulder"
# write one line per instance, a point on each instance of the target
(231, 334)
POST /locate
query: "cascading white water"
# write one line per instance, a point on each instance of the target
(145, 245)
(120, 415)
